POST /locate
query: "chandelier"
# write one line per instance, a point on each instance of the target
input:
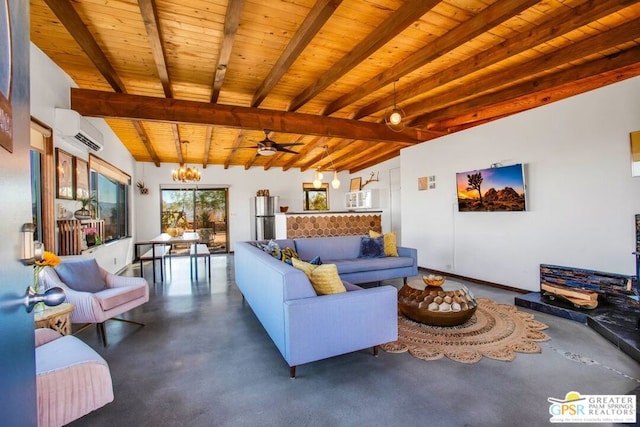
(317, 176)
(393, 117)
(185, 173)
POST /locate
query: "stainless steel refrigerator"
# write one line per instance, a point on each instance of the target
(263, 220)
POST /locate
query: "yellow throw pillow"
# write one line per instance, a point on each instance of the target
(390, 246)
(324, 278)
(304, 266)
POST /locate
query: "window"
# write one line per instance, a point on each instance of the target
(315, 199)
(42, 184)
(200, 209)
(36, 193)
(111, 187)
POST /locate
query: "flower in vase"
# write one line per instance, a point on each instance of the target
(48, 259)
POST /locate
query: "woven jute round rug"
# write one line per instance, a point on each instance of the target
(497, 331)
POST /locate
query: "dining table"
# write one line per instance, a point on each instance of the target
(167, 239)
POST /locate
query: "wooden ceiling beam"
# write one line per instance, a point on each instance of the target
(586, 47)
(304, 150)
(234, 146)
(136, 107)
(339, 146)
(70, 19)
(231, 23)
(564, 23)
(251, 161)
(207, 146)
(540, 91)
(150, 18)
(485, 20)
(315, 20)
(365, 154)
(176, 140)
(403, 17)
(149, 13)
(146, 141)
(376, 159)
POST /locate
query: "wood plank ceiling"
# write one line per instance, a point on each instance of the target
(322, 72)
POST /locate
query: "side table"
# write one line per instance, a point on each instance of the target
(56, 318)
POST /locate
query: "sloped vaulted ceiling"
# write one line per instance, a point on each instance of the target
(218, 72)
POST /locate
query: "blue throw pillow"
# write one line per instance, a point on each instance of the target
(371, 247)
(81, 275)
(316, 261)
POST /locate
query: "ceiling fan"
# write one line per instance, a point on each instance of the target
(268, 147)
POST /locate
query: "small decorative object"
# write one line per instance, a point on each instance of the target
(372, 178)
(143, 188)
(86, 204)
(91, 236)
(284, 208)
(433, 280)
(48, 259)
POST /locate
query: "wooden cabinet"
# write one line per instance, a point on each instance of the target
(363, 199)
(71, 236)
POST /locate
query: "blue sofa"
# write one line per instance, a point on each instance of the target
(306, 327)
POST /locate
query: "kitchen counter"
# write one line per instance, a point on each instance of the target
(291, 225)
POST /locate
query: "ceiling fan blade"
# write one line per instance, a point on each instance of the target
(245, 146)
(288, 144)
(286, 150)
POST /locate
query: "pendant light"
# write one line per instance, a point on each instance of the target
(185, 173)
(394, 117)
(317, 175)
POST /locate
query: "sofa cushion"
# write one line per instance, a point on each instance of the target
(81, 275)
(371, 247)
(324, 278)
(370, 264)
(113, 297)
(334, 247)
(390, 245)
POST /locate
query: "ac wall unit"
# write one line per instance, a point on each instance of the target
(76, 129)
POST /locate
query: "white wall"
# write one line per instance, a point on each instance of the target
(50, 88)
(384, 189)
(581, 196)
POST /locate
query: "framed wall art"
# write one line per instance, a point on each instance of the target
(64, 175)
(82, 179)
(355, 184)
(499, 188)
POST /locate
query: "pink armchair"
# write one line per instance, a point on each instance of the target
(71, 379)
(97, 294)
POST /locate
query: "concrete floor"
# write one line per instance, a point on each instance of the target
(203, 359)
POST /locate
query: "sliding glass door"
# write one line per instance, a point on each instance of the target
(197, 209)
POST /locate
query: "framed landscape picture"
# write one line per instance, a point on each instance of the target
(64, 175)
(494, 189)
